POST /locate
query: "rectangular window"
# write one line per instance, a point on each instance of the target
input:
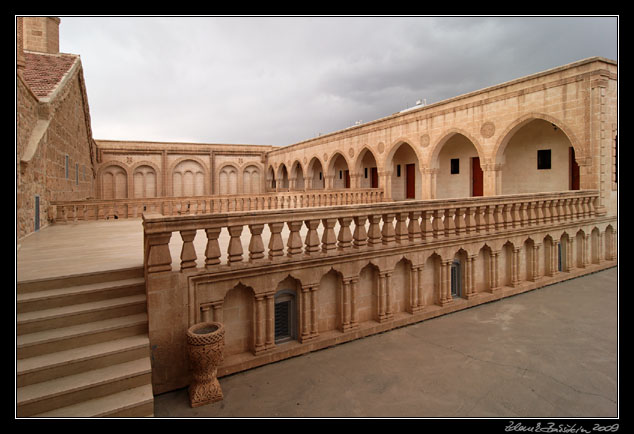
(543, 159)
(66, 166)
(398, 170)
(76, 173)
(320, 176)
(366, 173)
(455, 166)
(340, 174)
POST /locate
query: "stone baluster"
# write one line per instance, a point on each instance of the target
(374, 232)
(312, 238)
(294, 243)
(188, 253)
(328, 238)
(212, 252)
(387, 232)
(450, 224)
(344, 239)
(158, 256)
(437, 224)
(413, 229)
(360, 236)
(426, 230)
(517, 215)
(400, 232)
(276, 244)
(459, 221)
(256, 246)
(470, 220)
(234, 251)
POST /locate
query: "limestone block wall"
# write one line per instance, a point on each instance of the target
(134, 170)
(55, 151)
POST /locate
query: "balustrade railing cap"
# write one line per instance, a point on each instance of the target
(155, 223)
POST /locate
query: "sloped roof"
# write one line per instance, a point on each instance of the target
(44, 72)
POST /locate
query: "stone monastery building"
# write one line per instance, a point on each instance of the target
(435, 209)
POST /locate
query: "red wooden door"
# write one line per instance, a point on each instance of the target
(347, 176)
(478, 177)
(410, 181)
(375, 178)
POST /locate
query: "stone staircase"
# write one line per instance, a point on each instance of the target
(82, 347)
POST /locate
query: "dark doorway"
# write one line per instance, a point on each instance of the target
(347, 176)
(574, 171)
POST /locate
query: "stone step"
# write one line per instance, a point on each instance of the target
(81, 359)
(65, 316)
(74, 389)
(78, 279)
(61, 339)
(64, 296)
(137, 402)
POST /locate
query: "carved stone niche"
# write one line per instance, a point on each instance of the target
(206, 342)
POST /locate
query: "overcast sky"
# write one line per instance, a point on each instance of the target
(281, 80)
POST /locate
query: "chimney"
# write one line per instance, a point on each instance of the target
(19, 55)
(41, 34)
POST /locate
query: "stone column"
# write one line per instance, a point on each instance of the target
(260, 324)
(535, 274)
(314, 320)
(493, 271)
(345, 314)
(354, 293)
(270, 321)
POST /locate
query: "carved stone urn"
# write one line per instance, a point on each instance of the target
(206, 342)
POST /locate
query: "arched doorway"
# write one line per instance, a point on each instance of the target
(367, 170)
(459, 173)
(338, 172)
(537, 156)
(403, 168)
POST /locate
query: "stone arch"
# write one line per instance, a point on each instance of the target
(315, 174)
(451, 160)
(270, 178)
(114, 178)
(297, 175)
(145, 179)
(338, 171)
(534, 154)
(431, 278)
(251, 179)
(513, 127)
(402, 158)
(228, 182)
(189, 177)
(282, 177)
(368, 293)
(286, 299)
(401, 285)
(237, 317)
(366, 168)
(330, 302)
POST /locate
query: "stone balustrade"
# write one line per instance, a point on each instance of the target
(310, 232)
(68, 211)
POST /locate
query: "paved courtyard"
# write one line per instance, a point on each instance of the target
(548, 353)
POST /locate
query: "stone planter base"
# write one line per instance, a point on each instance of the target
(206, 343)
